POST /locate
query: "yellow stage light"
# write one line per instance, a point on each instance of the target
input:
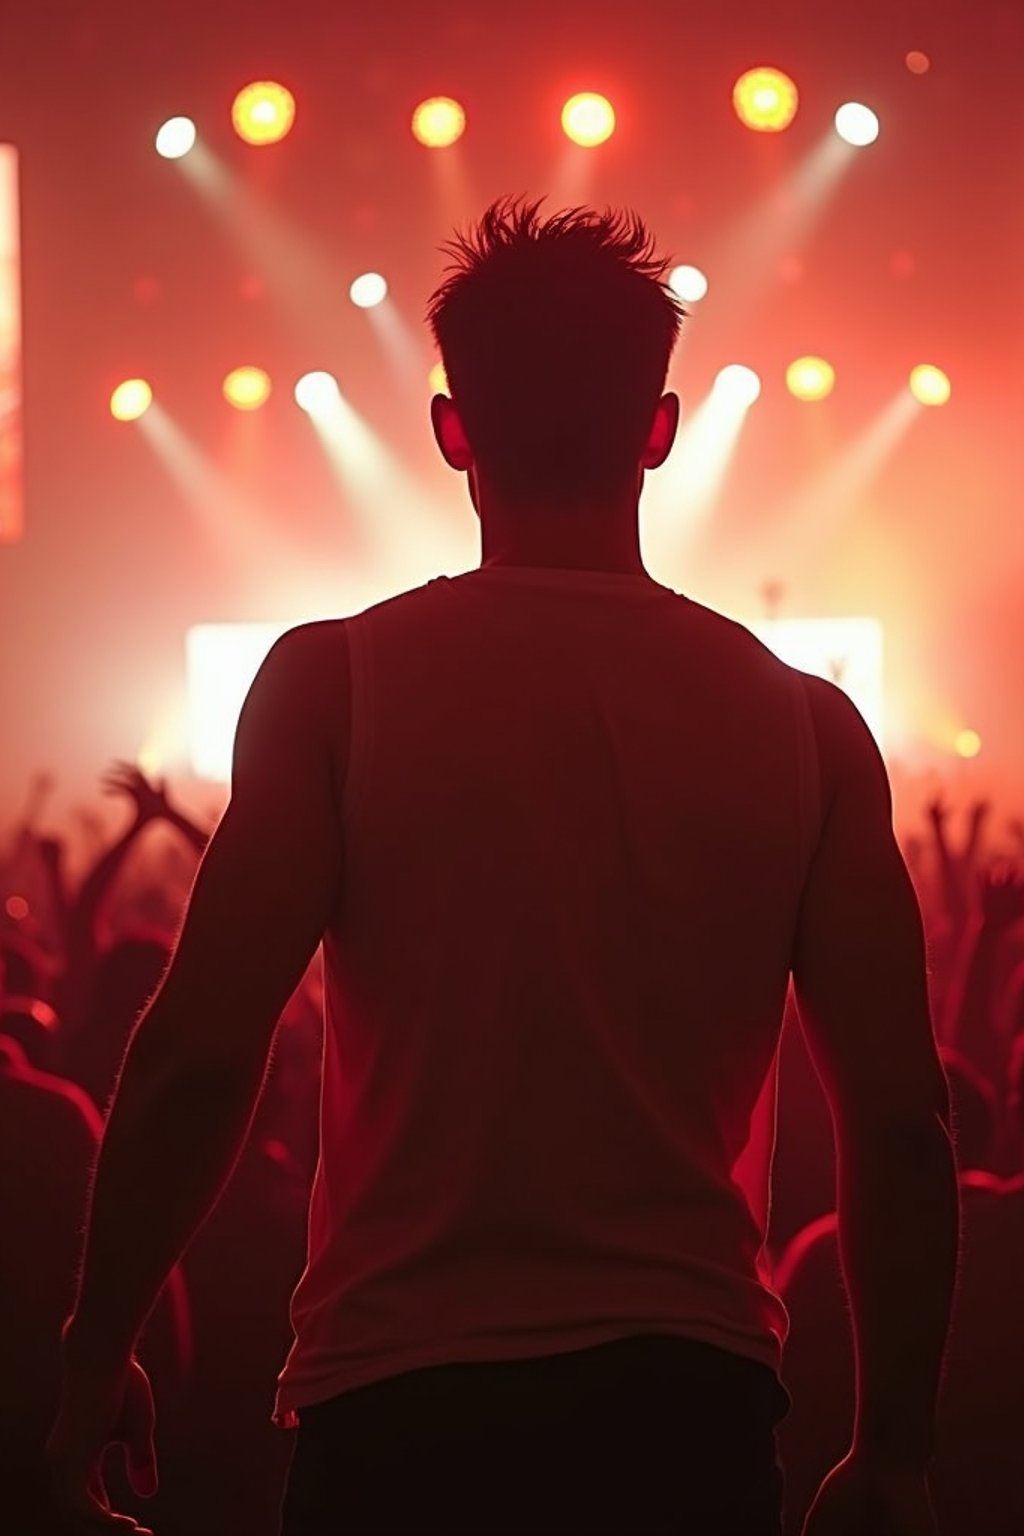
(438, 122)
(810, 378)
(131, 400)
(263, 113)
(765, 100)
(688, 284)
(588, 119)
(967, 744)
(438, 380)
(247, 388)
(930, 385)
(175, 138)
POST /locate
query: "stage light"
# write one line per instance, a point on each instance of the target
(738, 384)
(316, 391)
(930, 385)
(247, 388)
(438, 380)
(967, 744)
(368, 290)
(588, 119)
(263, 113)
(688, 284)
(856, 124)
(765, 100)
(131, 400)
(175, 138)
(810, 378)
(221, 661)
(438, 122)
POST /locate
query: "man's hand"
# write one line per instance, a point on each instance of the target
(97, 1410)
(858, 1499)
(150, 797)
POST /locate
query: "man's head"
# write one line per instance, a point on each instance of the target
(556, 336)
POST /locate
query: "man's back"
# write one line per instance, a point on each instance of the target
(578, 815)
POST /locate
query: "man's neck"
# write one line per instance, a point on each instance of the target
(585, 539)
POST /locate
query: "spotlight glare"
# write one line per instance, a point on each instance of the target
(131, 400)
(810, 378)
(316, 391)
(438, 122)
(688, 284)
(247, 388)
(738, 384)
(438, 380)
(765, 100)
(930, 385)
(588, 119)
(368, 290)
(263, 113)
(967, 744)
(856, 124)
(175, 138)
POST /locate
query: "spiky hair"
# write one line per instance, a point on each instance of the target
(556, 335)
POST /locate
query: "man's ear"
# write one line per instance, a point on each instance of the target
(663, 432)
(449, 432)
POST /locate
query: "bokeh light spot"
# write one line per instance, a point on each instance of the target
(810, 378)
(247, 388)
(930, 385)
(917, 62)
(688, 284)
(17, 908)
(588, 119)
(738, 383)
(368, 290)
(316, 391)
(438, 122)
(263, 113)
(175, 137)
(967, 744)
(765, 100)
(131, 400)
(856, 124)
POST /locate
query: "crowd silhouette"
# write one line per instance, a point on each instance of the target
(78, 966)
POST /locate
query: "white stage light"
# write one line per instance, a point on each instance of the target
(368, 290)
(175, 138)
(688, 284)
(856, 124)
(738, 383)
(316, 391)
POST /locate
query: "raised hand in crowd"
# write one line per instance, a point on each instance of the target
(956, 867)
(151, 799)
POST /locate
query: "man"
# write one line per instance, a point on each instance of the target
(564, 835)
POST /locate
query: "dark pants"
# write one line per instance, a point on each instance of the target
(644, 1436)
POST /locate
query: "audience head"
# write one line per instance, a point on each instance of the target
(556, 336)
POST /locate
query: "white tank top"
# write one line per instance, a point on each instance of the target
(578, 814)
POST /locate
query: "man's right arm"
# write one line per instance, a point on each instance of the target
(860, 975)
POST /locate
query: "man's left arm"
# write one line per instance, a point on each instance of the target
(262, 898)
